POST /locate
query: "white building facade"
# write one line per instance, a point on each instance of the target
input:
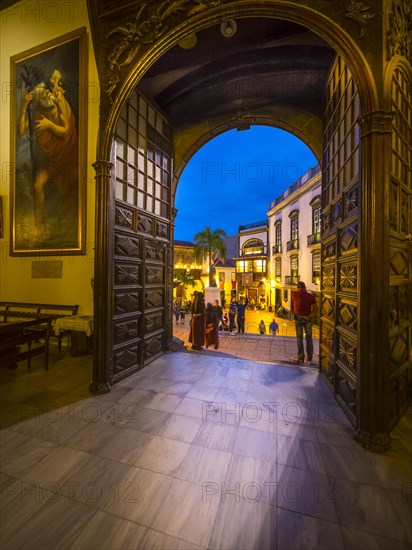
(252, 263)
(294, 220)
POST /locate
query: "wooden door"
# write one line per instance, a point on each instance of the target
(339, 346)
(400, 248)
(141, 237)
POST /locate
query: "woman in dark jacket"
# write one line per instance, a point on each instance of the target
(213, 319)
(197, 324)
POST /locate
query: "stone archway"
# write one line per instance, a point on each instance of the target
(371, 422)
(186, 148)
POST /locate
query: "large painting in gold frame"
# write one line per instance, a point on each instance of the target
(48, 147)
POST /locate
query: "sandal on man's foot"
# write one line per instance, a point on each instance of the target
(297, 360)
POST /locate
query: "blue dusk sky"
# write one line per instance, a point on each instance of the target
(232, 179)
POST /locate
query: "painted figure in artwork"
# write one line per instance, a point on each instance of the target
(48, 121)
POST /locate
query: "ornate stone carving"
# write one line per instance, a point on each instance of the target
(399, 36)
(358, 12)
(150, 24)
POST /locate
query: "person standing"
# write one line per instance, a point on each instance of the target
(304, 309)
(176, 313)
(197, 324)
(273, 327)
(232, 314)
(182, 314)
(218, 310)
(213, 318)
(262, 328)
(241, 308)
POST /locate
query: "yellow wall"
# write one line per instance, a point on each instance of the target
(24, 26)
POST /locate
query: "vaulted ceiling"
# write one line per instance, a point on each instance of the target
(265, 62)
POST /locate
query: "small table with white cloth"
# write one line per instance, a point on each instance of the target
(81, 327)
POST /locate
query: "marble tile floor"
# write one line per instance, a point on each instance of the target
(194, 451)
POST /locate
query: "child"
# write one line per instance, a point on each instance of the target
(273, 327)
(262, 328)
(225, 322)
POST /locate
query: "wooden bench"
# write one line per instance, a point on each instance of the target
(14, 336)
(28, 311)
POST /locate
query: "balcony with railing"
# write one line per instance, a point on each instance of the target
(252, 254)
(313, 239)
(292, 279)
(277, 249)
(292, 245)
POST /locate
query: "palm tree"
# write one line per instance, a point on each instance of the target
(211, 244)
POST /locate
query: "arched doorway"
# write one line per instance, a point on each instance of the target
(362, 391)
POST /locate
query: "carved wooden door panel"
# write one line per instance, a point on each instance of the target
(400, 251)
(141, 237)
(340, 239)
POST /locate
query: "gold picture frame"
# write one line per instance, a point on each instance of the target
(49, 148)
(1, 218)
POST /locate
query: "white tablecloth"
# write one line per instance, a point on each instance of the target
(81, 323)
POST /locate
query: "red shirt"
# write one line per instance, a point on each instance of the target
(302, 302)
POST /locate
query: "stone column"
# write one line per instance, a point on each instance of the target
(103, 282)
(375, 141)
